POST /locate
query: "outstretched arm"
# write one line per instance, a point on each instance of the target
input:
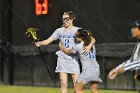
(44, 42)
(65, 50)
(118, 70)
(114, 72)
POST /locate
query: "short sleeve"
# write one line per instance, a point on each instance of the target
(55, 35)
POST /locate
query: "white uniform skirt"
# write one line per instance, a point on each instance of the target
(67, 65)
(89, 74)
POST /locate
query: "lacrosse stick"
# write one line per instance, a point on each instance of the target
(31, 32)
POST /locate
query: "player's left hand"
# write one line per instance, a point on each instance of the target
(37, 44)
(112, 74)
(87, 49)
(60, 45)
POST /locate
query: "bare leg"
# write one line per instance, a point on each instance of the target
(74, 78)
(94, 87)
(78, 88)
(64, 82)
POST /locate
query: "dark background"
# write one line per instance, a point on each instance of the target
(20, 61)
(107, 19)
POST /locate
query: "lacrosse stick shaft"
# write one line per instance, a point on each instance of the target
(45, 62)
(32, 32)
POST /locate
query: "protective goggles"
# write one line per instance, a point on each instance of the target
(66, 19)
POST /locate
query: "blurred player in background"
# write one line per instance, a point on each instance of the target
(134, 62)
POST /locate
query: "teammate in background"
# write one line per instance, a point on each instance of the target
(66, 64)
(134, 62)
(90, 68)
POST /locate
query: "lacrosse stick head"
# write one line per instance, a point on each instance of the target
(31, 32)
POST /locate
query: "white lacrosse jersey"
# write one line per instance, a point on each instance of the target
(87, 60)
(66, 38)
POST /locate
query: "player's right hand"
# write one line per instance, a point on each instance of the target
(37, 44)
(112, 74)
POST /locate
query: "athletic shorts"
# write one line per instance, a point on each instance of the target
(89, 74)
(67, 65)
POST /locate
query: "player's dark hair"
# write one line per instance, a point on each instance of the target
(71, 15)
(135, 24)
(85, 35)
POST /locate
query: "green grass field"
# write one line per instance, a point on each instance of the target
(29, 89)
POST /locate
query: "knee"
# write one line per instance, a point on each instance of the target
(64, 84)
(77, 90)
(94, 90)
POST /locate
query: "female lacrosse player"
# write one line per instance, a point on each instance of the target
(66, 64)
(90, 68)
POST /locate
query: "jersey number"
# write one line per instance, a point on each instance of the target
(92, 54)
(67, 42)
